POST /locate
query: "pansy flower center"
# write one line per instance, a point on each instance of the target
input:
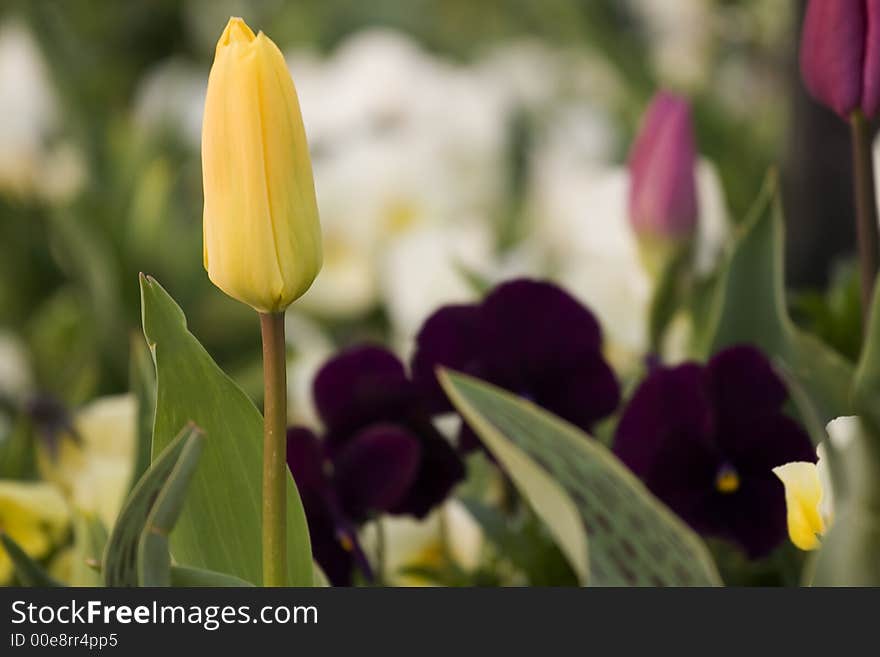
(727, 479)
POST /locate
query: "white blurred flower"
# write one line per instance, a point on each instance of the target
(580, 221)
(308, 348)
(680, 34)
(15, 372)
(404, 145)
(428, 268)
(411, 543)
(29, 164)
(95, 471)
(172, 95)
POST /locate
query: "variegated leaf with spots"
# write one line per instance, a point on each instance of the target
(633, 538)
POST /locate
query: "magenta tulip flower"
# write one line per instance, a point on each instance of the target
(663, 189)
(840, 54)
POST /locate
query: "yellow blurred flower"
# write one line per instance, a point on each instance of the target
(34, 515)
(95, 470)
(262, 236)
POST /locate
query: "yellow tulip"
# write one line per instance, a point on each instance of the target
(803, 499)
(34, 515)
(262, 236)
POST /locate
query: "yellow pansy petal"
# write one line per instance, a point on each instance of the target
(803, 496)
(34, 515)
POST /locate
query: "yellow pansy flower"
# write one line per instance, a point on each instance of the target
(34, 515)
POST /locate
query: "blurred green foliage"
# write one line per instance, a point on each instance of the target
(68, 274)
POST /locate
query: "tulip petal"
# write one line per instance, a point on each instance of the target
(871, 74)
(261, 231)
(803, 496)
(288, 173)
(832, 55)
(663, 187)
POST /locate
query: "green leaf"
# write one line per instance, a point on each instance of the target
(184, 576)
(220, 528)
(29, 572)
(320, 578)
(866, 383)
(523, 542)
(89, 542)
(748, 306)
(850, 552)
(142, 377)
(634, 538)
(154, 557)
(137, 550)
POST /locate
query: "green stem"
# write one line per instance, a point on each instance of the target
(866, 208)
(274, 450)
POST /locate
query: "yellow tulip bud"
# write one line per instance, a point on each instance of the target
(262, 236)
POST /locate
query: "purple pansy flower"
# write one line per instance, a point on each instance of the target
(529, 337)
(705, 440)
(380, 453)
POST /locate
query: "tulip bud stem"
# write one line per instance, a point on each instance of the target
(274, 450)
(866, 208)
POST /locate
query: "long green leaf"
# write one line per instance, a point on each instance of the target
(850, 552)
(131, 558)
(220, 528)
(581, 490)
(142, 381)
(866, 384)
(196, 577)
(154, 557)
(89, 542)
(748, 306)
(29, 572)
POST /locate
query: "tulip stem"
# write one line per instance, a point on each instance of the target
(274, 450)
(866, 208)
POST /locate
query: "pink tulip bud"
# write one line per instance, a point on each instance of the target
(663, 189)
(840, 54)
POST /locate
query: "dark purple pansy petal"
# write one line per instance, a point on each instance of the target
(584, 393)
(375, 469)
(743, 385)
(359, 386)
(440, 468)
(766, 443)
(336, 562)
(754, 517)
(334, 540)
(531, 329)
(451, 338)
(467, 439)
(337, 549)
(307, 463)
(669, 414)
